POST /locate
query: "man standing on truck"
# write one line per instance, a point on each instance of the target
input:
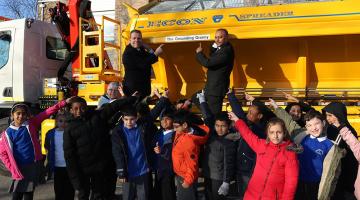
(137, 60)
(219, 66)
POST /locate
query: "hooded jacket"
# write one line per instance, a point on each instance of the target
(87, 142)
(185, 152)
(349, 165)
(218, 161)
(276, 171)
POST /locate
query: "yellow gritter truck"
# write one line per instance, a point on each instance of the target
(310, 49)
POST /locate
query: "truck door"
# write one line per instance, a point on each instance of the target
(6, 60)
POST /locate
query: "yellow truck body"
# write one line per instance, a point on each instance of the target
(308, 49)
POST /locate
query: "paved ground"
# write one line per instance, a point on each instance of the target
(43, 192)
(46, 191)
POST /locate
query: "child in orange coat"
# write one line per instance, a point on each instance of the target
(185, 153)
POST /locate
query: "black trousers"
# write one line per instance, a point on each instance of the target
(21, 195)
(137, 187)
(214, 102)
(242, 182)
(62, 185)
(165, 187)
(307, 190)
(189, 193)
(101, 185)
(211, 189)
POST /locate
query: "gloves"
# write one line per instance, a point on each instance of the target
(224, 189)
(201, 96)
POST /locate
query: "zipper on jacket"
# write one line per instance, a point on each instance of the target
(268, 172)
(32, 142)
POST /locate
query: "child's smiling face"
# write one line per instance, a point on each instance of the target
(19, 116)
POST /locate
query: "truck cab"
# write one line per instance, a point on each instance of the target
(30, 51)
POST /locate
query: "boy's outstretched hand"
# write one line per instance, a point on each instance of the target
(273, 104)
(249, 97)
(290, 97)
(232, 116)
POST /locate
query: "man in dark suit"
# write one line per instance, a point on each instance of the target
(219, 64)
(137, 60)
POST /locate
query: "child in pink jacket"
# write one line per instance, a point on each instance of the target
(354, 145)
(20, 148)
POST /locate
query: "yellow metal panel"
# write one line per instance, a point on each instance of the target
(91, 92)
(291, 20)
(46, 125)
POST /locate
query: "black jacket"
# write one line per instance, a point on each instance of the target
(349, 165)
(219, 65)
(163, 161)
(218, 161)
(148, 130)
(246, 157)
(87, 144)
(137, 65)
(120, 146)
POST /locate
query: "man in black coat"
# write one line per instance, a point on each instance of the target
(137, 60)
(87, 148)
(219, 65)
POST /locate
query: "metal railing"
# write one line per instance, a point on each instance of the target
(190, 5)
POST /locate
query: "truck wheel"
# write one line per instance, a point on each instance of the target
(3, 125)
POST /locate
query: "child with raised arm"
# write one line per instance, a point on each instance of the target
(315, 144)
(218, 161)
(276, 171)
(87, 148)
(20, 148)
(336, 116)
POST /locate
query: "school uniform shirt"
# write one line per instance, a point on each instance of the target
(312, 158)
(137, 164)
(23, 149)
(163, 163)
(59, 150)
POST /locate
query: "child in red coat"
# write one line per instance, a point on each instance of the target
(277, 168)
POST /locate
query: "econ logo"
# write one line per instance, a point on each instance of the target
(217, 18)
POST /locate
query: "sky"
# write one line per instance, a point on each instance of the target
(3, 11)
(105, 6)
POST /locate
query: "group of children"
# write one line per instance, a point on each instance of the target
(270, 153)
